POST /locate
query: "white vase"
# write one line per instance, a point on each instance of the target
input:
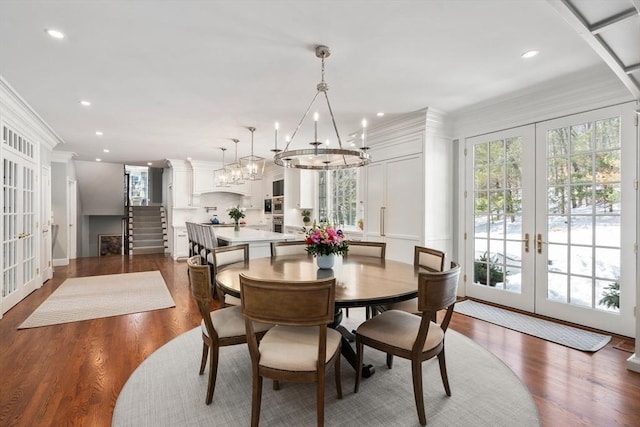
(325, 262)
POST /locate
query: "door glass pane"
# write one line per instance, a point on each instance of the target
(498, 214)
(583, 220)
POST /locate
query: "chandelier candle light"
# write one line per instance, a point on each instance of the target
(321, 157)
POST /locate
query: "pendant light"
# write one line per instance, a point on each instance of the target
(220, 177)
(252, 166)
(234, 170)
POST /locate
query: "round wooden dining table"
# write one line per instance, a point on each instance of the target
(360, 281)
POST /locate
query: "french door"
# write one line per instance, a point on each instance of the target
(545, 230)
(19, 268)
(500, 197)
(586, 220)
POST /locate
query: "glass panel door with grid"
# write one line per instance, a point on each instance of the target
(19, 230)
(500, 190)
(586, 270)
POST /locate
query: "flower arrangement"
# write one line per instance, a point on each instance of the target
(326, 240)
(236, 213)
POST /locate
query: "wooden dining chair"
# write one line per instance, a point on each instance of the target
(219, 327)
(369, 249)
(412, 337)
(222, 256)
(428, 259)
(289, 247)
(300, 348)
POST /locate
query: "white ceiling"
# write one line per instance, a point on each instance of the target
(178, 79)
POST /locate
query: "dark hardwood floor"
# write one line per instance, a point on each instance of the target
(71, 374)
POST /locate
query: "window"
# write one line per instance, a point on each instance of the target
(338, 196)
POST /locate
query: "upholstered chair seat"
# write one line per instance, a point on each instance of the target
(400, 329)
(295, 349)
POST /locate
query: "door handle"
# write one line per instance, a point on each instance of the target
(526, 242)
(540, 242)
(382, 210)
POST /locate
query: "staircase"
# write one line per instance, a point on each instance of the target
(147, 230)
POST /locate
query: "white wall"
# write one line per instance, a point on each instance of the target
(100, 187)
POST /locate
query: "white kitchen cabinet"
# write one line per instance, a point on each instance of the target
(394, 205)
(308, 189)
(203, 176)
(255, 199)
(180, 243)
(181, 193)
(300, 188)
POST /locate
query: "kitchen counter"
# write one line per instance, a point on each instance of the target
(259, 240)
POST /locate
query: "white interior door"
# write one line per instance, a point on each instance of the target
(585, 227)
(500, 217)
(46, 262)
(72, 212)
(19, 268)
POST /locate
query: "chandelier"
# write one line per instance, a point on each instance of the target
(252, 166)
(220, 176)
(320, 156)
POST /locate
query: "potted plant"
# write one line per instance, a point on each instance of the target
(236, 213)
(496, 274)
(325, 242)
(611, 296)
(306, 216)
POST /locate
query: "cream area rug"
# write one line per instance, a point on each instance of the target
(83, 298)
(166, 390)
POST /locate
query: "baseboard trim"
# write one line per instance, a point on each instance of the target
(633, 363)
(60, 261)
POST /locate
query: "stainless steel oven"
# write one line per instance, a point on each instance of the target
(277, 205)
(278, 224)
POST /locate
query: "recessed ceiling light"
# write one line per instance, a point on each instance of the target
(99, 133)
(98, 160)
(529, 54)
(55, 33)
(85, 103)
(106, 150)
(380, 114)
(149, 164)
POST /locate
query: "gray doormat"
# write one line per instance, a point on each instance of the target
(550, 331)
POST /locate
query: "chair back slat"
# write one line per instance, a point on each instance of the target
(289, 247)
(431, 259)
(371, 249)
(298, 303)
(210, 240)
(200, 281)
(199, 278)
(225, 255)
(438, 290)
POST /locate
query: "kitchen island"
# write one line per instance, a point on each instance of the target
(259, 241)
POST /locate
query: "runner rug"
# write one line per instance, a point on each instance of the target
(83, 298)
(549, 331)
(166, 390)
